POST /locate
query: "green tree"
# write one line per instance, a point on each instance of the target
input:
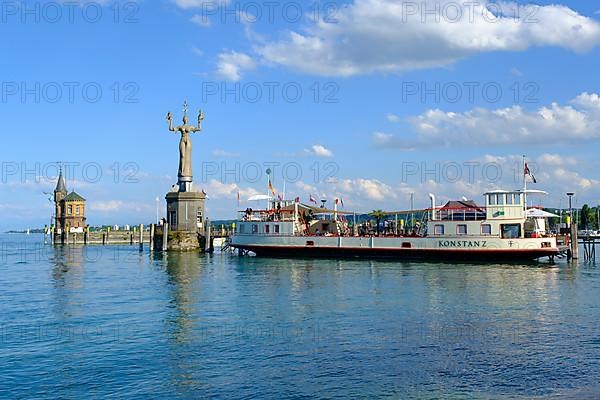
(378, 215)
(587, 218)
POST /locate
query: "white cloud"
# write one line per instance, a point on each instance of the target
(392, 117)
(106, 206)
(115, 206)
(516, 72)
(319, 151)
(224, 153)
(305, 187)
(231, 64)
(554, 124)
(187, 4)
(556, 160)
(201, 20)
(382, 36)
(219, 190)
(372, 189)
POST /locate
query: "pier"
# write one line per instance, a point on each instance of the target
(589, 246)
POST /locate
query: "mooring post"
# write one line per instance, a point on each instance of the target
(574, 242)
(152, 228)
(207, 244)
(141, 237)
(165, 237)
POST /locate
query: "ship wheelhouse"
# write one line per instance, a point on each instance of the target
(504, 216)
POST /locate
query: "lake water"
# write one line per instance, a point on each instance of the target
(113, 322)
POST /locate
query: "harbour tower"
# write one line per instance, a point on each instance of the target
(69, 211)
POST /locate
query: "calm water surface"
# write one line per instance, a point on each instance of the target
(106, 322)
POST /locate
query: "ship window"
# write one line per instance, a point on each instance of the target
(438, 229)
(492, 199)
(517, 198)
(510, 231)
(267, 228)
(254, 228)
(406, 245)
(461, 229)
(276, 228)
(500, 199)
(242, 228)
(510, 198)
(486, 229)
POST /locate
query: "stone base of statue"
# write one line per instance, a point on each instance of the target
(185, 216)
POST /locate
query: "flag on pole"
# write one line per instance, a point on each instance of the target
(271, 188)
(528, 172)
(342, 202)
(280, 197)
(312, 199)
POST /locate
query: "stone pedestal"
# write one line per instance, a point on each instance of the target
(185, 216)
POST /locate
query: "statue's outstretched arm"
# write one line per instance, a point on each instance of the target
(170, 119)
(200, 119)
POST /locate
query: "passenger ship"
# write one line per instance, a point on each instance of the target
(503, 229)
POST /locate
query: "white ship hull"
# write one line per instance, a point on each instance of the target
(409, 248)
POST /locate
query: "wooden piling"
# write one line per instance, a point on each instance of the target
(207, 245)
(574, 242)
(152, 231)
(141, 237)
(165, 243)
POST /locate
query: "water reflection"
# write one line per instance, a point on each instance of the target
(67, 275)
(182, 271)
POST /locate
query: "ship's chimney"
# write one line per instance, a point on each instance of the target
(432, 197)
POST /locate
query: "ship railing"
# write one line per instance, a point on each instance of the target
(265, 216)
(459, 214)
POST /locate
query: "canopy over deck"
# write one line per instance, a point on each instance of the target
(537, 213)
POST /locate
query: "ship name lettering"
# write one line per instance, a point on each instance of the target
(462, 243)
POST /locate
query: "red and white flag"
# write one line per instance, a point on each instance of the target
(528, 172)
(311, 198)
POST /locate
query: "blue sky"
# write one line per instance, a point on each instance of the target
(379, 99)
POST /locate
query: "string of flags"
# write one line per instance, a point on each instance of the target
(311, 199)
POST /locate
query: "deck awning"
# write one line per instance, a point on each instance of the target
(537, 213)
